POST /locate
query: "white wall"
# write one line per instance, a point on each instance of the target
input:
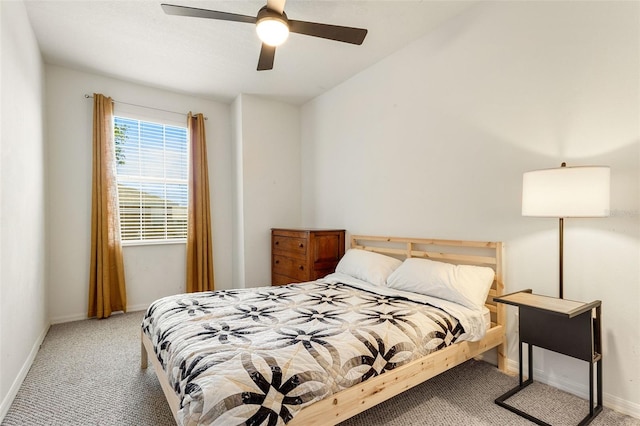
(268, 176)
(151, 271)
(23, 309)
(238, 262)
(433, 141)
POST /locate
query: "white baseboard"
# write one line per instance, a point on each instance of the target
(22, 374)
(136, 308)
(83, 316)
(68, 318)
(622, 406)
(610, 401)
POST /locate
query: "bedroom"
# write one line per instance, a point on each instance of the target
(432, 141)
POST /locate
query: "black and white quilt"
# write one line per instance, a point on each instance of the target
(258, 356)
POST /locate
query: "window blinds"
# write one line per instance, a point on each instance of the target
(152, 173)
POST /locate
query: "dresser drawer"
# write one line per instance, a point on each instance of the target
(290, 267)
(289, 245)
(282, 280)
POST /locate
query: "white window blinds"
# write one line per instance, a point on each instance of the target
(152, 173)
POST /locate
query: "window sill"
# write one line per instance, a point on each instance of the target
(152, 242)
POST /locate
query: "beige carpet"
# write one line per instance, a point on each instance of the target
(88, 373)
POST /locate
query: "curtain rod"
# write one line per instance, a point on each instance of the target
(143, 106)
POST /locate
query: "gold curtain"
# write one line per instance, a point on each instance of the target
(106, 280)
(199, 247)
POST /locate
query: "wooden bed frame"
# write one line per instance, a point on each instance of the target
(349, 402)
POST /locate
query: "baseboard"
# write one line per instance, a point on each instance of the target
(610, 401)
(22, 374)
(83, 316)
(622, 406)
(68, 318)
(136, 308)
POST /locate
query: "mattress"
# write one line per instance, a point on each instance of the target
(261, 355)
(486, 317)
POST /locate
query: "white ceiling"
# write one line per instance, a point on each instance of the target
(135, 40)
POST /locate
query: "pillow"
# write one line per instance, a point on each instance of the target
(367, 266)
(466, 285)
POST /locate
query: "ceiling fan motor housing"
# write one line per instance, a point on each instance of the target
(272, 27)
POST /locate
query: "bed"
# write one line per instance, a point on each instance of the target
(323, 351)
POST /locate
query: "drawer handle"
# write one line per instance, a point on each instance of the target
(277, 243)
(301, 267)
(277, 262)
(301, 245)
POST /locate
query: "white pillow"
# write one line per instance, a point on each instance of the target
(367, 266)
(466, 285)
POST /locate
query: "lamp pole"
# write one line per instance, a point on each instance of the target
(561, 248)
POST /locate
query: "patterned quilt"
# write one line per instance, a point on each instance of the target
(258, 356)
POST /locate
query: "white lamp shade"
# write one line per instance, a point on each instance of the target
(566, 192)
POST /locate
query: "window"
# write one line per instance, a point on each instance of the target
(152, 167)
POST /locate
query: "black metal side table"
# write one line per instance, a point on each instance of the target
(562, 326)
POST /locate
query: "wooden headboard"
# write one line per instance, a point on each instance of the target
(482, 253)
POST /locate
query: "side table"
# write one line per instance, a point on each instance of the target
(564, 326)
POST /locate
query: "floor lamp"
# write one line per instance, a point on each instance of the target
(566, 192)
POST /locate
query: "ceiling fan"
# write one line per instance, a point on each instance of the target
(273, 27)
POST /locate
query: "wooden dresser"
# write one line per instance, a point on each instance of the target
(299, 255)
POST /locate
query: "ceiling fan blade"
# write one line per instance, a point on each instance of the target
(172, 9)
(276, 5)
(267, 55)
(331, 32)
